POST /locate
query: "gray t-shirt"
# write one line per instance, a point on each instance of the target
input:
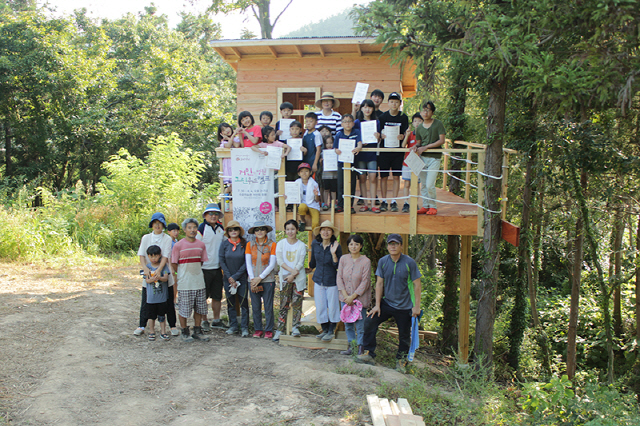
(398, 280)
(160, 293)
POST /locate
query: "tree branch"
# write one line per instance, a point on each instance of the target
(280, 14)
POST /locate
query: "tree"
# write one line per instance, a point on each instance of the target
(259, 8)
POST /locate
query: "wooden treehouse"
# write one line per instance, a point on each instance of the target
(299, 70)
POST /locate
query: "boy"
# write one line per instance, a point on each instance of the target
(187, 258)
(157, 292)
(309, 196)
(173, 229)
(292, 165)
(409, 142)
(265, 118)
(392, 160)
(286, 109)
(430, 135)
(348, 132)
(311, 142)
(327, 116)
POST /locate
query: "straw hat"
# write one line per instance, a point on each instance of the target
(233, 224)
(328, 96)
(326, 224)
(259, 224)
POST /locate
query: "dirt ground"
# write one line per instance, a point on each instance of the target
(69, 357)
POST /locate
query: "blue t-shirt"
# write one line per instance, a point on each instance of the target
(158, 292)
(398, 280)
(355, 135)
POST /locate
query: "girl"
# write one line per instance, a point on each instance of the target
(261, 261)
(247, 130)
(329, 178)
(233, 264)
(291, 254)
(325, 253)
(269, 139)
(228, 139)
(367, 160)
(354, 283)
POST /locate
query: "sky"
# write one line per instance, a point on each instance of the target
(299, 13)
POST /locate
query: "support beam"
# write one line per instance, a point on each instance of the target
(273, 51)
(237, 52)
(465, 295)
(347, 197)
(413, 205)
(467, 176)
(322, 53)
(405, 244)
(222, 54)
(445, 165)
(359, 49)
(282, 213)
(299, 50)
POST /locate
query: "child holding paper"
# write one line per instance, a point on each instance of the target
(429, 135)
(291, 166)
(329, 178)
(368, 160)
(269, 139)
(247, 130)
(348, 132)
(391, 162)
(286, 109)
(310, 197)
(409, 142)
(227, 139)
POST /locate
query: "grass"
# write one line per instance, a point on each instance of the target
(365, 373)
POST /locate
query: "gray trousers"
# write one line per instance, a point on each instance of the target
(265, 295)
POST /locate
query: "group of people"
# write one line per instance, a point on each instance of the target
(212, 257)
(323, 129)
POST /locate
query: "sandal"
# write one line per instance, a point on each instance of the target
(375, 209)
(364, 209)
(164, 336)
(432, 211)
(152, 337)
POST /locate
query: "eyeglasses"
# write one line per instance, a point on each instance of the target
(234, 229)
(262, 228)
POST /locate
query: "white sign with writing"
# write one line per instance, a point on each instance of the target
(330, 160)
(292, 192)
(346, 147)
(360, 93)
(295, 154)
(391, 134)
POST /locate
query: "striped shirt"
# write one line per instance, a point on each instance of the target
(333, 121)
(189, 256)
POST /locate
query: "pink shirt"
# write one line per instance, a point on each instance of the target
(277, 144)
(355, 277)
(253, 131)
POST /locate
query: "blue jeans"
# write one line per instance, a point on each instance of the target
(256, 306)
(355, 328)
(243, 298)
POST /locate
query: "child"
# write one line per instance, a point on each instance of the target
(311, 142)
(286, 109)
(392, 160)
(247, 130)
(310, 196)
(409, 142)
(329, 178)
(227, 139)
(291, 166)
(291, 254)
(173, 229)
(157, 292)
(269, 139)
(327, 116)
(325, 131)
(266, 117)
(368, 160)
(429, 135)
(348, 132)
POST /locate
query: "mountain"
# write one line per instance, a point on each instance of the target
(334, 26)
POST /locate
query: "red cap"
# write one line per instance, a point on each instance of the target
(304, 166)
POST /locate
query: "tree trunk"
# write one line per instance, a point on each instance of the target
(486, 312)
(638, 282)
(264, 19)
(450, 301)
(8, 151)
(618, 230)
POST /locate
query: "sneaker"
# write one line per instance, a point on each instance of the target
(290, 208)
(339, 209)
(394, 207)
(257, 334)
(138, 331)
(328, 337)
(268, 334)
(245, 332)
(377, 203)
(295, 332)
(384, 206)
(206, 326)
(405, 208)
(353, 211)
(321, 335)
(325, 207)
(175, 332)
(232, 330)
(401, 366)
(423, 210)
(302, 226)
(360, 202)
(185, 335)
(365, 359)
(347, 352)
(197, 335)
(276, 337)
(218, 324)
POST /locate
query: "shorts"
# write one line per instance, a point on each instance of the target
(213, 283)
(370, 166)
(330, 185)
(406, 173)
(155, 310)
(390, 160)
(188, 300)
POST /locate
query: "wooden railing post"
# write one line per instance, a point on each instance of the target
(413, 205)
(347, 201)
(464, 299)
(467, 175)
(481, 157)
(505, 184)
(446, 165)
(282, 203)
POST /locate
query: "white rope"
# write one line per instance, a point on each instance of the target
(456, 203)
(461, 159)
(462, 180)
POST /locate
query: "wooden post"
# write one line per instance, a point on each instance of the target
(464, 297)
(347, 197)
(223, 198)
(505, 184)
(413, 205)
(310, 276)
(282, 203)
(446, 165)
(481, 157)
(467, 175)
(405, 244)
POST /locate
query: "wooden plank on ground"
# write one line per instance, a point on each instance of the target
(310, 342)
(427, 335)
(392, 420)
(511, 233)
(410, 420)
(394, 408)
(386, 407)
(404, 406)
(376, 411)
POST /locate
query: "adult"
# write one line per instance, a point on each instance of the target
(325, 254)
(327, 116)
(234, 266)
(211, 233)
(398, 280)
(187, 257)
(354, 285)
(429, 135)
(156, 238)
(260, 257)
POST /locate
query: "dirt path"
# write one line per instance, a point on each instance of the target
(69, 358)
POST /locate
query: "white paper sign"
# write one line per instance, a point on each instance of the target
(346, 147)
(295, 154)
(367, 130)
(274, 157)
(415, 163)
(360, 93)
(391, 134)
(285, 123)
(292, 192)
(330, 159)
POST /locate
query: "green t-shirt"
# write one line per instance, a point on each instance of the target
(429, 136)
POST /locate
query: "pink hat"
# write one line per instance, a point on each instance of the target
(351, 313)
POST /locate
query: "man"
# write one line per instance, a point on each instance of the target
(187, 257)
(399, 282)
(211, 233)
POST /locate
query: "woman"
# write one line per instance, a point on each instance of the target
(261, 261)
(325, 254)
(354, 284)
(234, 267)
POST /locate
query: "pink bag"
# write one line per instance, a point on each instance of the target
(351, 314)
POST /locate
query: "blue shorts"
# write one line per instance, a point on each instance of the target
(370, 166)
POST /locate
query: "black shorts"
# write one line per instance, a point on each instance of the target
(390, 160)
(213, 283)
(154, 310)
(330, 185)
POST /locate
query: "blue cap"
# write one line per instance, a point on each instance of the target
(212, 207)
(394, 238)
(160, 217)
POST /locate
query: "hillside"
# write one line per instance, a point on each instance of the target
(333, 26)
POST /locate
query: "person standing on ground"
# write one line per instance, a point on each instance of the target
(187, 258)
(211, 233)
(398, 291)
(236, 286)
